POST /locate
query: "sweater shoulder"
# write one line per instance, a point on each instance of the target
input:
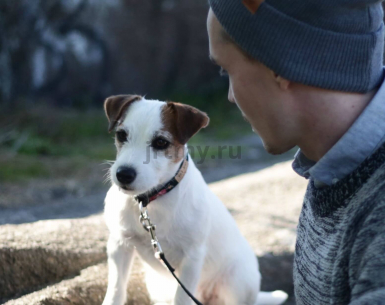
(370, 199)
(367, 207)
(367, 223)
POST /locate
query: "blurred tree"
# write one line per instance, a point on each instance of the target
(47, 52)
(76, 52)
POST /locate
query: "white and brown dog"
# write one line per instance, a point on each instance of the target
(198, 235)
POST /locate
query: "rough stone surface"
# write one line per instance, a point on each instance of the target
(90, 286)
(265, 204)
(87, 288)
(44, 252)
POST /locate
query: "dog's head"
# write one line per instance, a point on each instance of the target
(150, 138)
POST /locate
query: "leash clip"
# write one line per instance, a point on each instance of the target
(144, 218)
(150, 228)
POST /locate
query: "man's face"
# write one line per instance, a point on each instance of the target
(263, 100)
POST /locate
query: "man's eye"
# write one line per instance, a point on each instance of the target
(160, 143)
(121, 136)
(223, 72)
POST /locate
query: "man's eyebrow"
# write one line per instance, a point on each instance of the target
(213, 60)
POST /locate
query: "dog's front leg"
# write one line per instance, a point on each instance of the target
(189, 271)
(120, 258)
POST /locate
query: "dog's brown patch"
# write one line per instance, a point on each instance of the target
(252, 5)
(182, 122)
(175, 152)
(115, 107)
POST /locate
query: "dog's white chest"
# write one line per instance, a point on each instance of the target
(122, 218)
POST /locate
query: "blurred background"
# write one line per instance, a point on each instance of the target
(60, 59)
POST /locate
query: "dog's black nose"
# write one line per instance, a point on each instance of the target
(125, 175)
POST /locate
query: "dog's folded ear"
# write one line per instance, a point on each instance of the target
(115, 107)
(183, 121)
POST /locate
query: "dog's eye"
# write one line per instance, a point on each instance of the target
(121, 136)
(160, 143)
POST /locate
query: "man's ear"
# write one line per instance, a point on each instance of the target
(183, 121)
(115, 106)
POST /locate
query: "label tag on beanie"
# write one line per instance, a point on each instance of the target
(252, 5)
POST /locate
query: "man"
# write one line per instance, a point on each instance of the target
(309, 73)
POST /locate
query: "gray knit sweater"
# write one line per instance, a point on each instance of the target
(340, 250)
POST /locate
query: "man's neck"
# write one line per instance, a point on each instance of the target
(328, 115)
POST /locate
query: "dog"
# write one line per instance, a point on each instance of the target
(197, 233)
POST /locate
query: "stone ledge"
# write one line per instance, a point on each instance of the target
(266, 206)
(37, 254)
(88, 288)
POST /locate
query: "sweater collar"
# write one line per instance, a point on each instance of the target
(365, 135)
(325, 201)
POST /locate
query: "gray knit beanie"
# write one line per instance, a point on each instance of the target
(332, 44)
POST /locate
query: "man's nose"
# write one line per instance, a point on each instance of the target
(230, 95)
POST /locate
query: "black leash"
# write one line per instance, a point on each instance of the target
(143, 200)
(159, 254)
(172, 270)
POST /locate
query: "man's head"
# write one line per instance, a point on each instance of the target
(277, 57)
(261, 95)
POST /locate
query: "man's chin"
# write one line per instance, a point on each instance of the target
(275, 149)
